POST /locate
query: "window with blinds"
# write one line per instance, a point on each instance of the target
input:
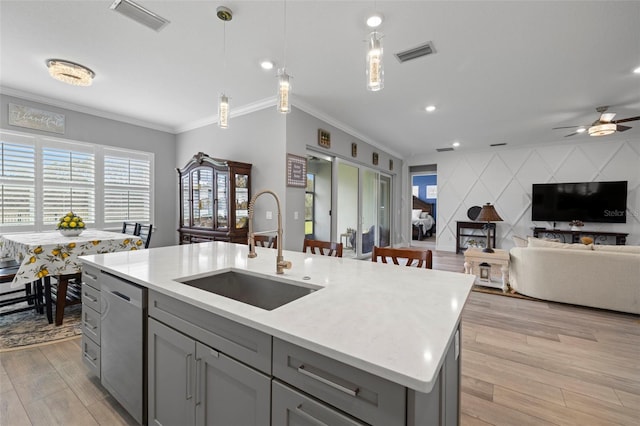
(127, 188)
(42, 178)
(68, 178)
(17, 184)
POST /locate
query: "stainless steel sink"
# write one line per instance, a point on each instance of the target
(258, 291)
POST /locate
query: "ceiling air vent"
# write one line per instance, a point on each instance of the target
(444, 149)
(139, 14)
(416, 52)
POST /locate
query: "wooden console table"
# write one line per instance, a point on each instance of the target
(460, 232)
(621, 238)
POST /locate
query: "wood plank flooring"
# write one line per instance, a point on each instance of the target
(524, 362)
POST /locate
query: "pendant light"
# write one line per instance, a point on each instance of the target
(284, 85)
(225, 15)
(375, 69)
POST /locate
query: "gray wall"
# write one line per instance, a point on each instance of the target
(83, 127)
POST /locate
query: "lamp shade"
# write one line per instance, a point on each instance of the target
(488, 214)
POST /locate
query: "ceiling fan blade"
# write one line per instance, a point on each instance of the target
(620, 128)
(606, 117)
(571, 134)
(624, 120)
(566, 127)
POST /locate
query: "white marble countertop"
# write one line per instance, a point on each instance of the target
(392, 321)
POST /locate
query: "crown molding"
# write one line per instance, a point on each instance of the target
(234, 112)
(342, 126)
(8, 91)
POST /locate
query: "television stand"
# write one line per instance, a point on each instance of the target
(574, 236)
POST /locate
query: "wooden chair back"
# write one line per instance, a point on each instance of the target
(408, 256)
(144, 232)
(325, 248)
(266, 241)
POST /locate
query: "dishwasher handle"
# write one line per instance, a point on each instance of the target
(120, 295)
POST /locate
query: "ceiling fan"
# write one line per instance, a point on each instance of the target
(604, 125)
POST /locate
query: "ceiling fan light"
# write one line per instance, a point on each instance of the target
(581, 130)
(70, 72)
(602, 129)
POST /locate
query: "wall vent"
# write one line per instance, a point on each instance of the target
(498, 144)
(444, 149)
(139, 14)
(416, 52)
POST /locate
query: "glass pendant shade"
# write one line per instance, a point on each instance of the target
(375, 70)
(284, 87)
(223, 112)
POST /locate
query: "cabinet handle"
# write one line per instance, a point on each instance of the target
(93, 277)
(188, 392)
(91, 358)
(309, 417)
(90, 297)
(303, 370)
(89, 325)
(198, 380)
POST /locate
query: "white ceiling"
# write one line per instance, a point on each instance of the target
(503, 71)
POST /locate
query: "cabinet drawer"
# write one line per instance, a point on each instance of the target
(290, 407)
(375, 400)
(91, 355)
(91, 324)
(90, 276)
(245, 344)
(91, 297)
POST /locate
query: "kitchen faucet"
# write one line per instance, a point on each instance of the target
(281, 264)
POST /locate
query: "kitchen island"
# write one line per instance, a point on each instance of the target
(394, 324)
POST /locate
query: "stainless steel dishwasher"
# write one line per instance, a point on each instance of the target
(122, 341)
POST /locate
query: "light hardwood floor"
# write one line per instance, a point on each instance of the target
(524, 362)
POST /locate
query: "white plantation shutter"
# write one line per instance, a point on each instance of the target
(127, 187)
(17, 183)
(68, 178)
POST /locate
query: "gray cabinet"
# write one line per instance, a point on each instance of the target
(191, 383)
(91, 324)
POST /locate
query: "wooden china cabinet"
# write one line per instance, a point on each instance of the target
(214, 200)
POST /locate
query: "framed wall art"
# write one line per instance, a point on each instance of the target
(296, 171)
(375, 158)
(324, 138)
(354, 149)
(37, 119)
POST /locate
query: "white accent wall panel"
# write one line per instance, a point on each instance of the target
(504, 177)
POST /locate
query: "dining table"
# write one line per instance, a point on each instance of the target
(47, 254)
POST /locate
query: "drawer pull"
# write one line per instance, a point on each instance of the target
(88, 324)
(309, 417)
(90, 297)
(93, 277)
(86, 355)
(188, 394)
(306, 372)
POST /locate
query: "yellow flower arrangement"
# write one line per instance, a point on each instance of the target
(71, 221)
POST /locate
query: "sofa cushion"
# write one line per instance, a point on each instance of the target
(537, 242)
(619, 249)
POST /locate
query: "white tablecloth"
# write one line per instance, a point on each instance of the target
(50, 253)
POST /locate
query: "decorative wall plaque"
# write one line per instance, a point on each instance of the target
(354, 149)
(36, 119)
(296, 171)
(375, 158)
(390, 164)
(324, 138)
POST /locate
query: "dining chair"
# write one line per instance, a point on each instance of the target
(332, 249)
(266, 241)
(144, 232)
(31, 293)
(409, 256)
(129, 228)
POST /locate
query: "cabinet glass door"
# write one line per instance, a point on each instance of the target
(222, 197)
(242, 200)
(186, 202)
(202, 184)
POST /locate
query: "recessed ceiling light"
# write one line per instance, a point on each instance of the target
(636, 71)
(374, 20)
(455, 144)
(581, 130)
(266, 64)
(430, 108)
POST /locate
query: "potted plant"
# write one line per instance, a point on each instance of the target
(576, 224)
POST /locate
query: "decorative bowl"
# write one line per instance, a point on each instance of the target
(71, 232)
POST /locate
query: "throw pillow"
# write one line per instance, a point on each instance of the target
(537, 242)
(619, 249)
(424, 215)
(519, 241)
(415, 214)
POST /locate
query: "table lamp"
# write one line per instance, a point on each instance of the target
(488, 214)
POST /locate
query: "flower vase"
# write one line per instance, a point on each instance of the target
(575, 228)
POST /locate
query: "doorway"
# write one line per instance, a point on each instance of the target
(424, 195)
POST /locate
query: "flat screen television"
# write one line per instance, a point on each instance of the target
(604, 202)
